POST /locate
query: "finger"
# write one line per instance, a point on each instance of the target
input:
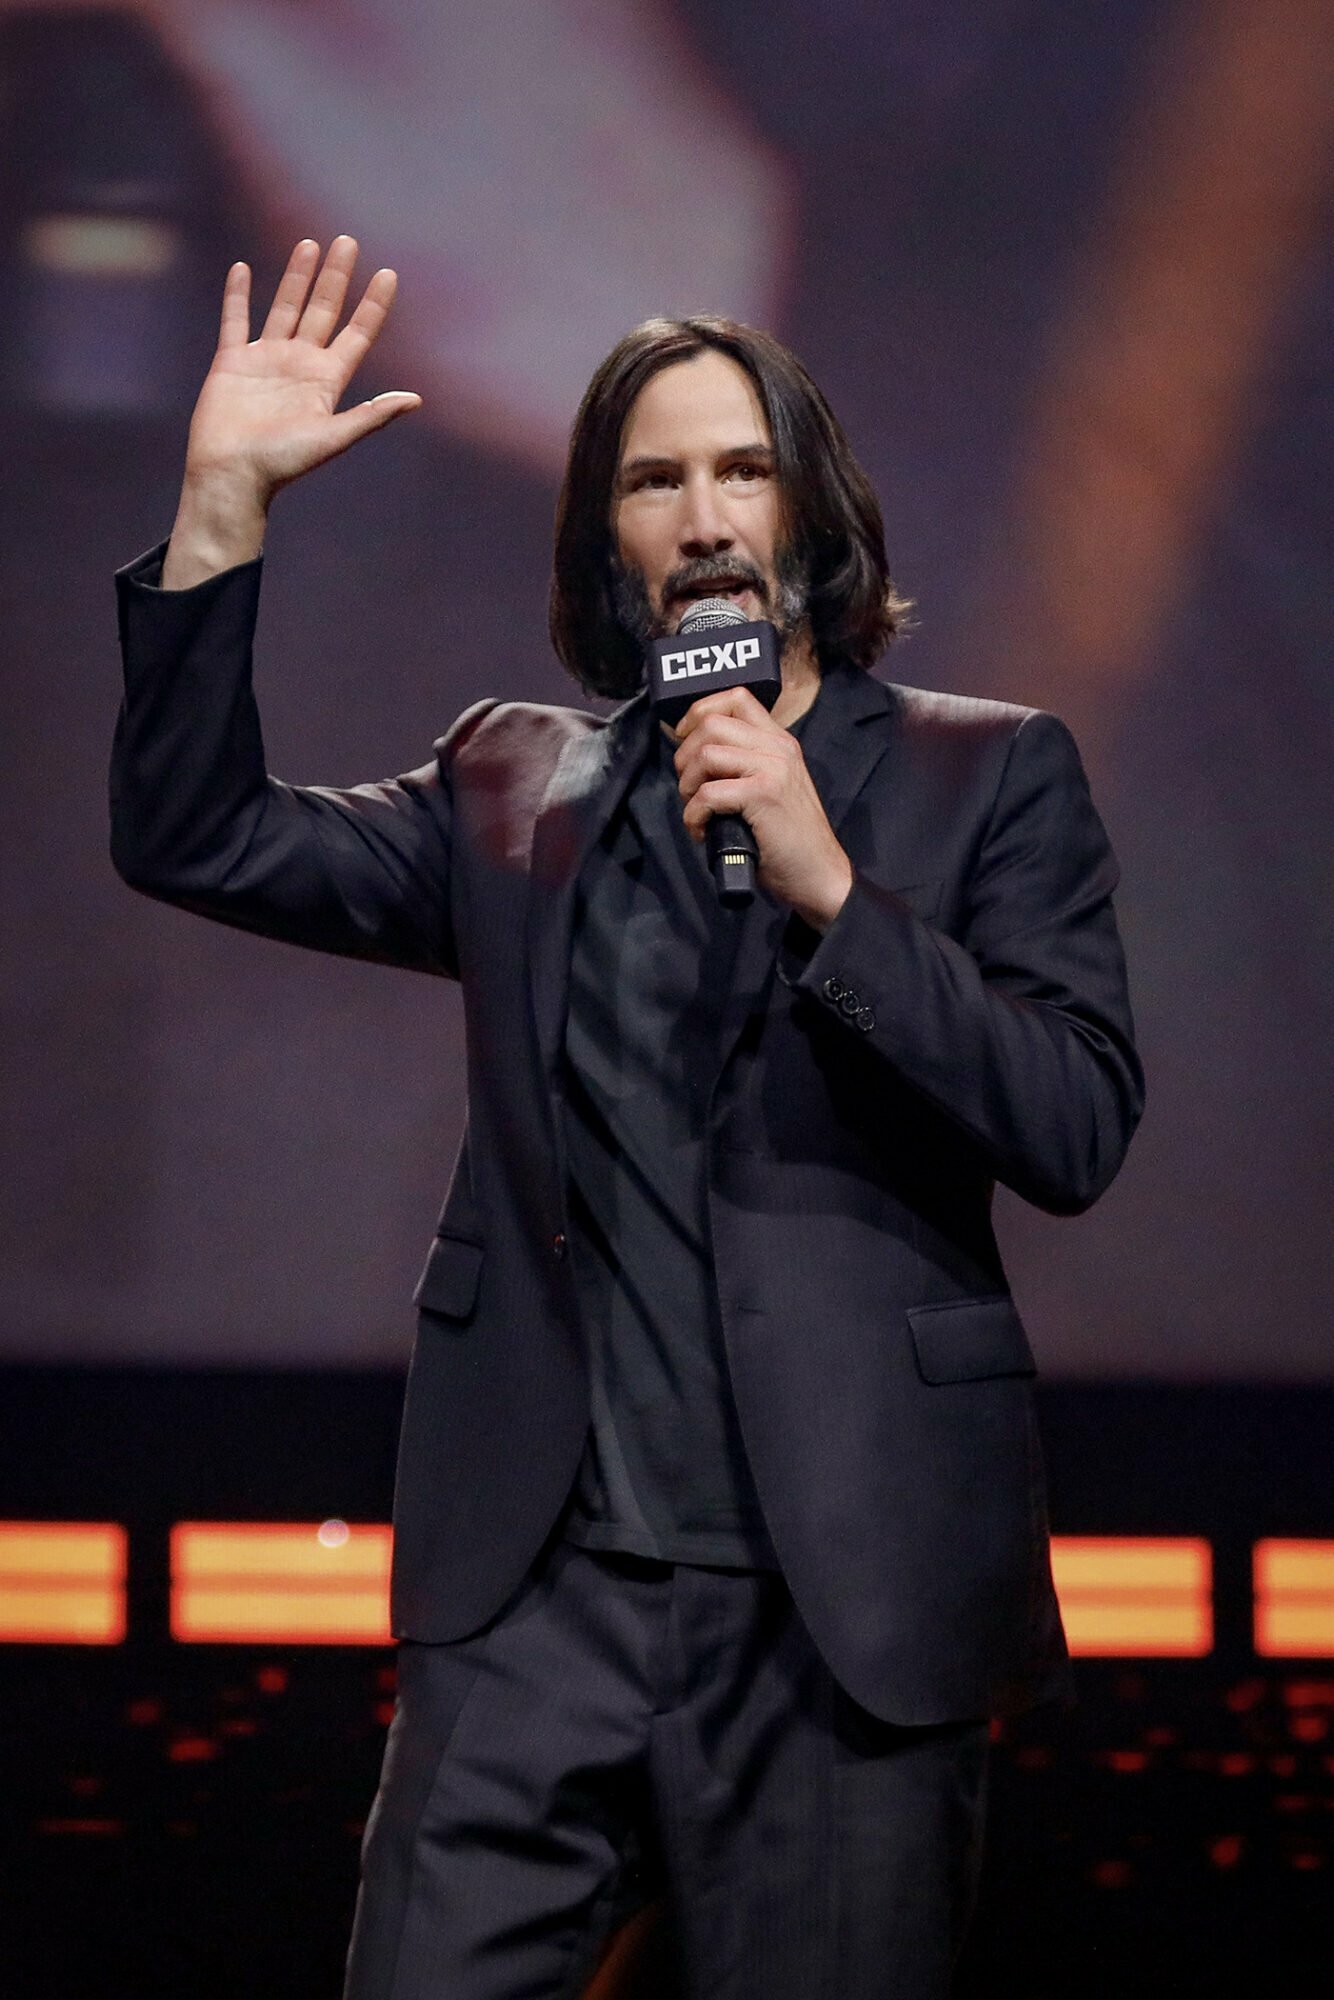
(291, 293)
(363, 329)
(732, 760)
(762, 777)
(745, 754)
(234, 325)
(719, 795)
(359, 422)
(737, 732)
(325, 304)
(701, 761)
(727, 701)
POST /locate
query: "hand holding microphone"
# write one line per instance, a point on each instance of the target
(715, 681)
(716, 646)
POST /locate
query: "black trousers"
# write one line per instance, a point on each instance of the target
(627, 1728)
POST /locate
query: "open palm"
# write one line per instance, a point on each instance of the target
(268, 410)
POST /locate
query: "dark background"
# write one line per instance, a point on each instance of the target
(1065, 273)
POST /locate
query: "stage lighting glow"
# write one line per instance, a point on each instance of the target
(1146, 1596)
(62, 1582)
(101, 246)
(1294, 1599)
(327, 1583)
(280, 1583)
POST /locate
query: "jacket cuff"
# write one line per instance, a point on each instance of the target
(145, 574)
(166, 630)
(830, 970)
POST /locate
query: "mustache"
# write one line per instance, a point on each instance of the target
(637, 617)
(696, 575)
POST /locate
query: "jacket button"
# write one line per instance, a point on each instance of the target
(558, 1246)
(850, 1004)
(834, 989)
(866, 1020)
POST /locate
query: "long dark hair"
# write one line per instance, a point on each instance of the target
(832, 520)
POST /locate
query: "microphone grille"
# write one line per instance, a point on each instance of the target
(708, 613)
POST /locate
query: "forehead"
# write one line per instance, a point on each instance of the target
(706, 402)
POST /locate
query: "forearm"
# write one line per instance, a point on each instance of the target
(1048, 1089)
(188, 776)
(197, 821)
(1013, 1016)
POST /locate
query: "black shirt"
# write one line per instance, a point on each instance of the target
(665, 1471)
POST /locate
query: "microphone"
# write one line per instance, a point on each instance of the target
(744, 653)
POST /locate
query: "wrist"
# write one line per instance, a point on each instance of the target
(219, 523)
(823, 905)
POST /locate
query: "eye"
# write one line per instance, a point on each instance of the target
(655, 482)
(748, 473)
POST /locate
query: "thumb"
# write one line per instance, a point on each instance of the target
(349, 425)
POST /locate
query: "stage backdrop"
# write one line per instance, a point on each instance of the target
(1065, 274)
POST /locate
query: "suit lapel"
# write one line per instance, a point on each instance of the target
(849, 732)
(589, 781)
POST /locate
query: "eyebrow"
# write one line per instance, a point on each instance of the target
(653, 461)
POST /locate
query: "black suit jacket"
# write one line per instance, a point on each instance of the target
(963, 1020)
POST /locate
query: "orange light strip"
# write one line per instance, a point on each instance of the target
(280, 1583)
(1294, 1599)
(328, 1583)
(1142, 1596)
(62, 1583)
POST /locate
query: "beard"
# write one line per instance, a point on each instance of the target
(785, 608)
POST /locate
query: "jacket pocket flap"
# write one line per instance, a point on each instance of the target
(970, 1340)
(449, 1279)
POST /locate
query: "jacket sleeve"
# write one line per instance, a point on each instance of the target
(197, 821)
(1021, 1031)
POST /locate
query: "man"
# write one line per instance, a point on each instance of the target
(720, 1527)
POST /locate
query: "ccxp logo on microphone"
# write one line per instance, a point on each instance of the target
(732, 656)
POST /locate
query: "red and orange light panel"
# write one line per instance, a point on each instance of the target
(62, 1583)
(280, 1583)
(1142, 1596)
(1294, 1599)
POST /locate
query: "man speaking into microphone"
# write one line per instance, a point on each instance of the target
(720, 1531)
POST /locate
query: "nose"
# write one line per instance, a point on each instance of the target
(704, 529)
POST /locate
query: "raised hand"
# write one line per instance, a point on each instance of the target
(268, 410)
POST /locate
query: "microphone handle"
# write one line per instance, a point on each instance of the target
(733, 854)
